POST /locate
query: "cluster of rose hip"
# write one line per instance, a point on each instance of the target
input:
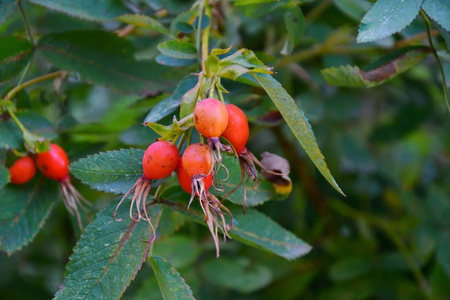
(53, 164)
(197, 168)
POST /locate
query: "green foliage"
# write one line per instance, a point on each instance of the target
(100, 10)
(171, 284)
(90, 52)
(108, 251)
(254, 228)
(382, 70)
(15, 54)
(387, 17)
(298, 123)
(239, 274)
(439, 11)
(110, 74)
(6, 6)
(24, 211)
(113, 171)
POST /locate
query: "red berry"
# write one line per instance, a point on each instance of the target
(186, 181)
(54, 163)
(210, 117)
(160, 160)
(22, 170)
(237, 131)
(197, 160)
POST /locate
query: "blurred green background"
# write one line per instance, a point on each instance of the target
(387, 147)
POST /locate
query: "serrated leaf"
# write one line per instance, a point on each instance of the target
(178, 49)
(144, 22)
(171, 284)
(253, 228)
(108, 255)
(439, 11)
(25, 209)
(90, 52)
(99, 10)
(265, 191)
(238, 274)
(4, 176)
(6, 6)
(171, 103)
(257, 8)
(298, 123)
(15, 53)
(11, 136)
(382, 70)
(113, 171)
(387, 17)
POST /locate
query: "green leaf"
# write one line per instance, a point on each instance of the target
(444, 33)
(25, 209)
(6, 6)
(99, 10)
(265, 191)
(298, 123)
(257, 8)
(382, 70)
(247, 59)
(171, 103)
(90, 52)
(108, 255)
(178, 50)
(439, 11)
(15, 53)
(253, 228)
(189, 100)
(11, 136)
(295, 25)
(387, 17)
(238, 274)
(171, 284)
(170, 249)
(144, 22)
(184, 17)
(113, 171)
(174, 62)
(355, 9)
(4, 176)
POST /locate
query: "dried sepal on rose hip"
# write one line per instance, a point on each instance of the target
(237, 133)
(210, 120)
(22, 171)
(54, 164)
(159, 161)
(195, 177)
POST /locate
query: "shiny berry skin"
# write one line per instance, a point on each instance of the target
(186, 181)
(22, 170)
(197, 159)
(54, 163)
(160, 160)
(210, 117)
(237, 131)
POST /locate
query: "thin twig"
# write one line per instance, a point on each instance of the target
(438, 60)
(33, 81)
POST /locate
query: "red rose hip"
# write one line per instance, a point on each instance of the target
(22, 170)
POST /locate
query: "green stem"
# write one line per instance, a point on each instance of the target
(205, 37)
(174, 141)
(26, 84)
(181, 142)
(189, 136)
(16, 120)
(158, 192)
(25, 20)
(212, 89)
(199, 28)
(436, 56)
